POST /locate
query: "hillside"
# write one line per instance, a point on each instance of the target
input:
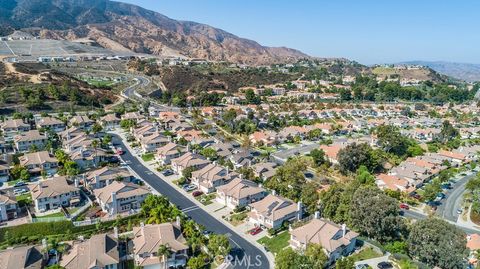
(421, 74)
(117, 26)
(463, 71)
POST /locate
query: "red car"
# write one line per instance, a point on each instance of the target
(120, 151)
(196, 193)
(255, 230)
(404, 206)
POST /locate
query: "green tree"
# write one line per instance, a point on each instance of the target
(355, 155)
(318, 156)
(164, 251)
(437, 243)
(317, 256)
(288, 258)
(375, 214)
(431, 190)
(209, 153)
(289, 178)
(218, 245)
(447, 133)
(310, 196)
(364, 176)
(197, 262)
(344, 263)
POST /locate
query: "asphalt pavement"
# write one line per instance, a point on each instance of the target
(247, 255)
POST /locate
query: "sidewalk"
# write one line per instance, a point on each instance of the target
(241, 230)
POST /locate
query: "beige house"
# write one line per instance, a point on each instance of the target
(99, 178)
(118, 197)
(83, 122)
(30, 257)
(12, 127)
(54, 193)
(27, 140)
(336, 240)
(272, 211)
(168, 152)
(152, 142)
(100, 251)
(110, 121)
(188, 160)
(39, 161)
(208, 178)
(8, 206)
(239, 193)
(51, 123)
(147, 240)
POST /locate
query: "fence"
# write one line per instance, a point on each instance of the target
(108, 218)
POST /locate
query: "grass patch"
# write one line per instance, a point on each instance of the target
(13, 182)
(206, 199)
(365, 254)
(148, 157)
(53, 215)
(237, 219)
(24, 199)
(276, 243)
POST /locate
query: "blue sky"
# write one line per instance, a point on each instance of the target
(367, 31)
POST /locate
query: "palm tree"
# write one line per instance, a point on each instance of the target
(164, 251)
(95, 146)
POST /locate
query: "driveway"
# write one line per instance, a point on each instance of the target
(375, 261)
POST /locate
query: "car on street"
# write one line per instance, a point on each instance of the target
(197, 193)
(361, 266)
(119, 151)
(459, 211)
(384, 265)
(255, 231)
(404, 206)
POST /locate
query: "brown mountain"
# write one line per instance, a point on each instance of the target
(121, 26)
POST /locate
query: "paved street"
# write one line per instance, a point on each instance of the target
(243, 248)
(453, 201)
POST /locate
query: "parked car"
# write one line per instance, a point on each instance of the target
(19, 184)
(459, 211)
(119, 151)
(18, 192)
(189, 187)
(417, 196)
(384, 265)
(197, 193)
(404, 206)
(255, 231)
(361, 266)
(167, 172)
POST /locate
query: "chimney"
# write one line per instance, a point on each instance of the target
(115, 232)
(317, 214)
(178, 221)
(39, 183)
(344, 229)
(114, 204)
(142, 227)
(97, 181)
(274, 193)
(299, 210)
(76, 182)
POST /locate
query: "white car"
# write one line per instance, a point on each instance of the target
(18, 192)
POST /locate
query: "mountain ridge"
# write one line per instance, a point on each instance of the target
(116, 24)
(464, 71)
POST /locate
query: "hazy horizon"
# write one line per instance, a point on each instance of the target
(369, 31)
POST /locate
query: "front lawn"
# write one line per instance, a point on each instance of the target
(238, 218)
(148, 157)
(365, 254)
(206, 199)
(276, 243)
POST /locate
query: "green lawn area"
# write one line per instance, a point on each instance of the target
(365, 254)
(13, 182)
(206, 199)
(238, 218)
(53, 215)
(148, 157)
(276, 243)
(24, 199)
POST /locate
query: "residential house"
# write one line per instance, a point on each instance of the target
(12, 127)
(336, 240)
(51, 123)
(88, 157)
(242, 159)
(4, 171)
(54, 193)
(110, 122)
(394, 183)
(267, 138)
(264, 170)
(118, 197)
(239, 193)
(82, 122)
(152, 142)
(135, 116)
(208, 178)
(99, 178)
(165, 154)
(331, 152)
(99, 252)
(25, 257)
(147, 239)
(39, 161)
(8, 206)
(188, 159)
(28, 140)
(272, 211)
